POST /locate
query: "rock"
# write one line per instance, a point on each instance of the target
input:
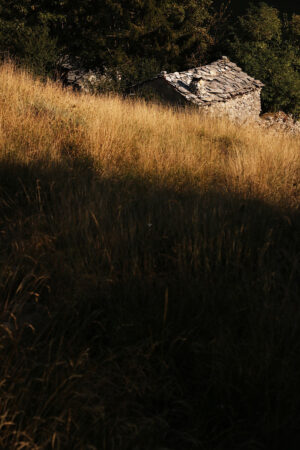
(280, 122)
(72, 73)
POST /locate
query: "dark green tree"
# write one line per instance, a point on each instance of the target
(266, 45)
(138, 37)
(25, 35)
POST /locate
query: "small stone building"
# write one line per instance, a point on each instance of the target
(220, 88)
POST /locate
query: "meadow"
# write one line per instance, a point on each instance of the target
(149, 276)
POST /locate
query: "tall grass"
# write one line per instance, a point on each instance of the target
(149, 276)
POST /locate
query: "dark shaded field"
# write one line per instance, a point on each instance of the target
(118, 334)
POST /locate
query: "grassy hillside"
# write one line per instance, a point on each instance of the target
(149, 276)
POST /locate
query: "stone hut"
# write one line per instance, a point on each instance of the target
(220, 88)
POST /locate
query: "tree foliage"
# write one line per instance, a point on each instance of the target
(25, 35)
(137, 37)
(266, 45)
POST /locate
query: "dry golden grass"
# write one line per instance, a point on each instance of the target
(44, 121)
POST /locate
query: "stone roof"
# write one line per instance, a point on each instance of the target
(219, 81)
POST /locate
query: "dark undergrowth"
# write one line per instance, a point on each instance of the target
(138, 316)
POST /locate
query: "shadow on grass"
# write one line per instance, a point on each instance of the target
(137, 315)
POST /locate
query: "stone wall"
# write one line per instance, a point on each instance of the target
(241, 108)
